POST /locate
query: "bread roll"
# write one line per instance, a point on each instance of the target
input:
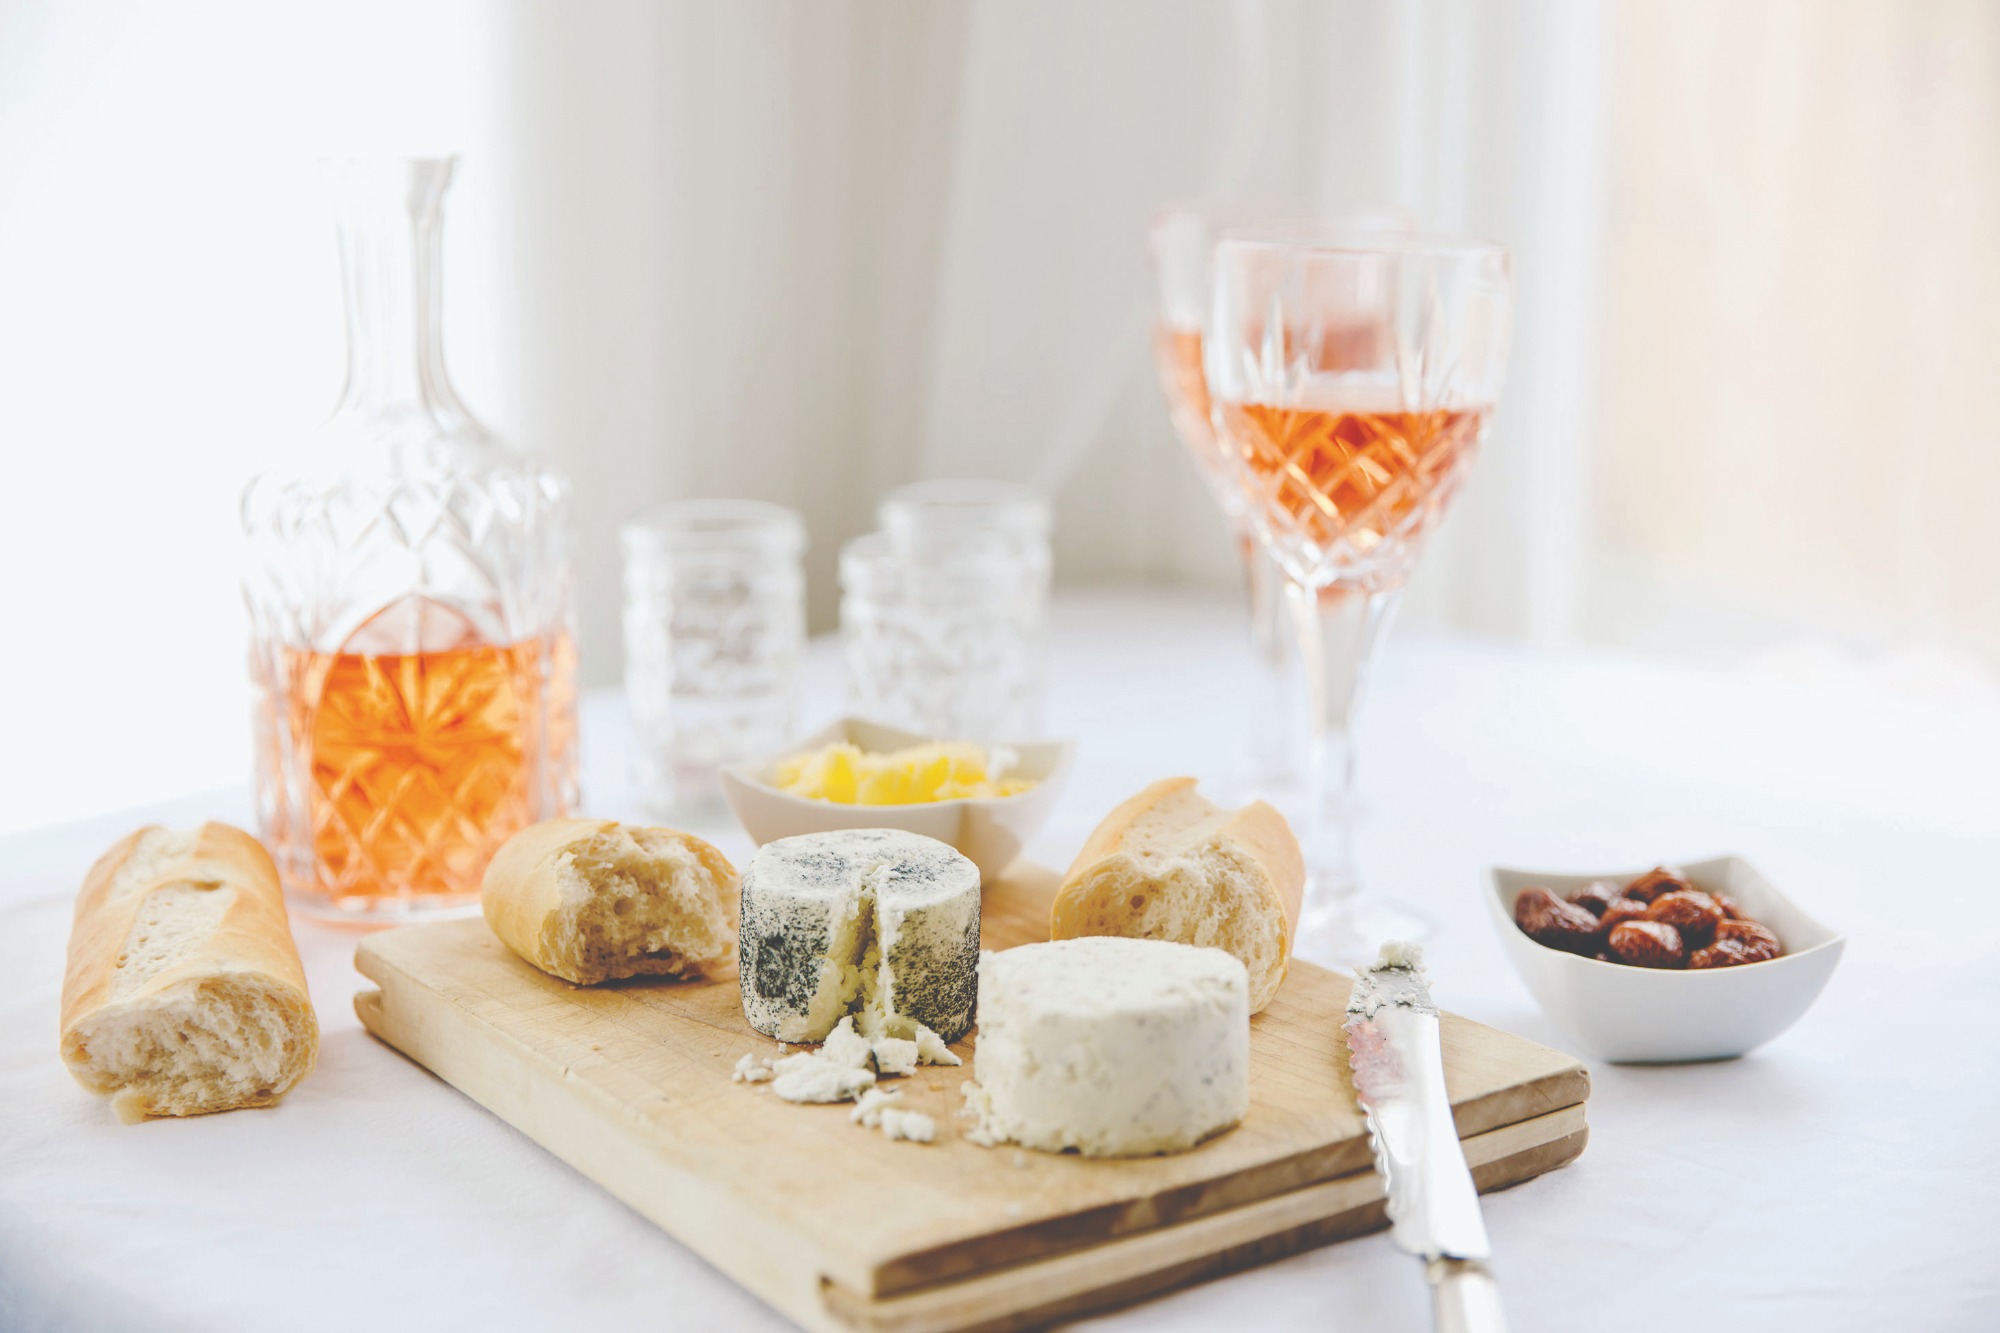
(1171, 865)
(184, 993)
(590, 900)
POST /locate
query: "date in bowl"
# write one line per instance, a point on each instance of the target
(1640, 1015)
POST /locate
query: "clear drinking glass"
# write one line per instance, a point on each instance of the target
(934, 515)
(945, 635)
(407, 579)
(714, 624)
(1352, 383)
(950, 611)
(1270, 759)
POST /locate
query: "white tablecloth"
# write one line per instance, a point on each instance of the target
(1841, 1178)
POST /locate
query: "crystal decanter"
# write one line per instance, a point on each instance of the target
(408, 588)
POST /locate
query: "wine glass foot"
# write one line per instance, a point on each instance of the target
(1350, 932)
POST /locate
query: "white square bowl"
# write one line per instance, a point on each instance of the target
(1643, 1015)
(989, 831)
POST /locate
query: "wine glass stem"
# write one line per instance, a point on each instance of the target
(1339, 628)
(1270, 753)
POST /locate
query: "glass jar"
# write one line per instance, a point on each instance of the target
(950, 612)
(407, 579)
(949, 646)
(930, 520)
(714, 624)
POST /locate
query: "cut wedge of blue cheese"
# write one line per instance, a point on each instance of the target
(1110, 1047)
(875, 923)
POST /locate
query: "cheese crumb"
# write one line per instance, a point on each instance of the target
(809, 1077)
(932, 1050)
(978, 1109)
(845, 1046)
(893, 1055)
(868, 1111)
(1401, 953)
(908, 1126)
(751, 1070)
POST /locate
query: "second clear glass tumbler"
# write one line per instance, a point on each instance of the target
(714, 625)
(943, 614)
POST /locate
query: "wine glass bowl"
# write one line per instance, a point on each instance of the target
(1347, 494)
(1351, 383)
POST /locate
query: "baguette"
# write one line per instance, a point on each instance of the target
(1170, 864)
(590, 900)
(184, 994)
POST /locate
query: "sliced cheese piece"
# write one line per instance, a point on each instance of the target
(1110, 1047)
(1170, 864)
(876, 923)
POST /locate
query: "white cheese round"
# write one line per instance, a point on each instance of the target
(1111, 1047)
(878, 923)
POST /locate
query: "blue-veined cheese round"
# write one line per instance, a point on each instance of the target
(877, 923)
(1112, 1047)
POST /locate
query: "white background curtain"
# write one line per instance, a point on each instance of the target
(807, 249)
(807, 252)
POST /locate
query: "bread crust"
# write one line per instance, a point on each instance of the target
(521, 894)
(1257, 828)
(253, 935)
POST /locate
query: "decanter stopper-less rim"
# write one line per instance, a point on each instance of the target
(390, 215)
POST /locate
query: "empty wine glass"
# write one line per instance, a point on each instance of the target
(1351, 383)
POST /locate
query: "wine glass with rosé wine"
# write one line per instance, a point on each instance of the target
(1350, 383)
(1270, 760)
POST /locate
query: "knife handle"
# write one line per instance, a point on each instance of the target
(1464, 1297)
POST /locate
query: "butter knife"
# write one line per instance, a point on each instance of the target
(1398, 1063)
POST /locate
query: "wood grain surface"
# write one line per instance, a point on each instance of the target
(838, 1227)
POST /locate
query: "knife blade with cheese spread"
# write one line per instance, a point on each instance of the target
(1398, 1063)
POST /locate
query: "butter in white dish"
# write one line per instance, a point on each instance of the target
(1110, 1047)
(879, 924)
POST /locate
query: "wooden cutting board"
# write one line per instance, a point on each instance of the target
(839, 1228)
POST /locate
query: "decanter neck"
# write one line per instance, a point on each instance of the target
(391, 218)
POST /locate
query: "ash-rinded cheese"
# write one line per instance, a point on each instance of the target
(877, 923)
(1112, 1047)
